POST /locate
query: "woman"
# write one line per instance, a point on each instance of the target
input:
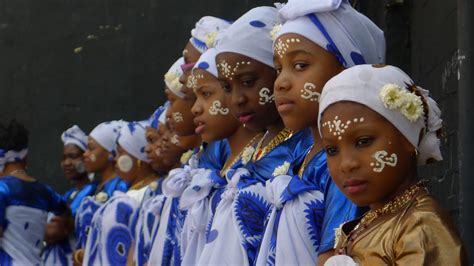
(59, 247)
(113, 225)
(24, 202)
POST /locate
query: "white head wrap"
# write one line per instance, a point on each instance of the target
(205, 32)
(250, 35)
(76, 136)
(11, 156)
(337, 27)
(172, 78)
(207, 62)
(106, 134)
(132, 139)
(387, 90)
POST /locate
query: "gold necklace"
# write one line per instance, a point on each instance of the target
(303, 165)
(281, 137)
(227, 165)
(388, 208)
(140, 183)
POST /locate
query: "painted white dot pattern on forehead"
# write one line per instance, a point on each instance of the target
(281, 46)
(228, 70)
(382, 159)
(193, 80)
(338, 128)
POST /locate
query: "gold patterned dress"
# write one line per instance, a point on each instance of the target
(417, 233)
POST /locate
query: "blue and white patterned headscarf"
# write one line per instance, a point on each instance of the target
(207, 62)
(106, 134)
(337, 27)
(172, 78)
(75, 135)
(11, 156)
(132, 139)
(250, 35)
(154, 119)
(205, 32)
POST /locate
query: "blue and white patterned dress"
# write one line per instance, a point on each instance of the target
(24, 208)
(305, 213)
(238, 225)
(111, 231)
(89, 206)
(167, 247)
(61, 253)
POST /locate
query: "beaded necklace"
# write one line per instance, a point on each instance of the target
(281, 137)
(372, 215)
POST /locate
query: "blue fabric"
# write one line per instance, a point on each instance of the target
(74, 202)
(213, 158)
(291, 151)
(337, 208)
(251, 208)
(114, 184)
(14, 191)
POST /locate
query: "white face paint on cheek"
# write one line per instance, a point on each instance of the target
(93, 158)
(158, 152)
(177, 117)
(175, 140)
(337, 128)
(382, 159)
(125, 163)
(216, 108)
(265, 96)
(309, 92)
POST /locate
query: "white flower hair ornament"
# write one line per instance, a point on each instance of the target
(395, 97)
(275, 30)
(172, 81)
(211, 39)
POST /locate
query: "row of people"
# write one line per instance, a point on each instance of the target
(285, 140)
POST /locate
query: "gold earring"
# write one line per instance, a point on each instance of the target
(139, 164)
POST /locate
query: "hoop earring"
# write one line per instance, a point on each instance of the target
(414, 153)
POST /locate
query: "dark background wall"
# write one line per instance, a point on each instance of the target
(65, 62)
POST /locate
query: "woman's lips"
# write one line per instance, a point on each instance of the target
(354, 186)
(284, 105)
(199, 126)
(245, 117)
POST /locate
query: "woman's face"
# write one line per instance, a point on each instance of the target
(181, 117)
(212, 116)
(152, 148)
(72, 162)
(249, 85)
(96, 157)
(368, 158)
(171, 149)
(303, 69)
(126, 165)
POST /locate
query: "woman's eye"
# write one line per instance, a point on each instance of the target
(300, 66)
(331, 150)
(278, 70)
(206, 94)
(362, 142)
(225, 87)
(248, 82)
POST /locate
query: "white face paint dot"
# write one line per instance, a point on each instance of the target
(93, 158)
(361, 119)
